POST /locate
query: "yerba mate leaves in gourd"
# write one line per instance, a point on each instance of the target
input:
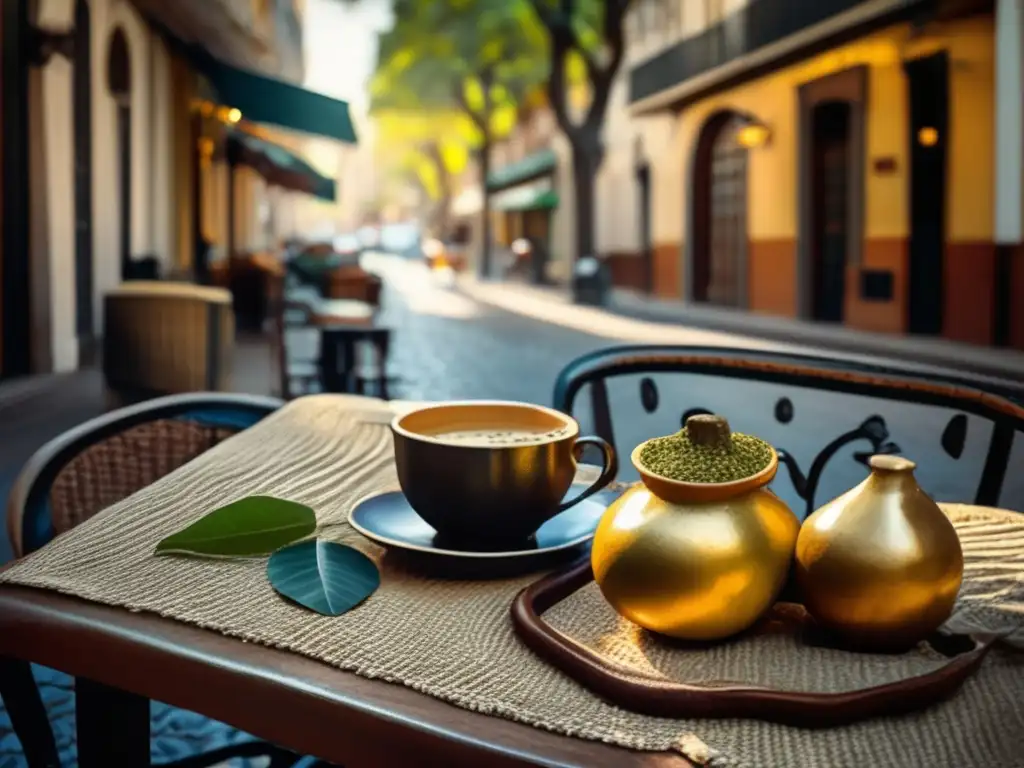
(705, 451)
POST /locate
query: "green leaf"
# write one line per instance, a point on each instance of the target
(323, 576)
(256, 525)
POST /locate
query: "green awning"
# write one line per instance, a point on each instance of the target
(530, 167)
(526, 199)
(263, 99)
(280, 166)
(259, 98)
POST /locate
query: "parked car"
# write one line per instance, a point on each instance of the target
(401, 240)
(444, 254)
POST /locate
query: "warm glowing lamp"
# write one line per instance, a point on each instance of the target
(234, 115)
(928, 137)
(753, 135)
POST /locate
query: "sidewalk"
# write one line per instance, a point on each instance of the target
(687, 324)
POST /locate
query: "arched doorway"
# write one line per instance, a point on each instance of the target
(82, 117)
(119, 82)
(719, 251)
(831, 132)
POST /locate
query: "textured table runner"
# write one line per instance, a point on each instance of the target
(454, 640)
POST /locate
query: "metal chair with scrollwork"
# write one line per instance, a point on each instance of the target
(75, 476)
(826, 416)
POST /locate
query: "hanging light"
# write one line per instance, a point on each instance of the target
(234, 115)
(753, 135)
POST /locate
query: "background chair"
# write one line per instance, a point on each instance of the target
(826, 416)
(72, 478)
(249, 278)
(294, 341)
(354, 359)
(162, 338)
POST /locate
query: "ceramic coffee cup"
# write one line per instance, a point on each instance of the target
(491, 472)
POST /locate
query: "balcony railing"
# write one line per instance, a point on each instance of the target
(759, 24)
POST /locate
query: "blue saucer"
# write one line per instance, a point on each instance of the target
(389, 520)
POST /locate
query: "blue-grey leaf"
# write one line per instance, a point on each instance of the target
(324, 576)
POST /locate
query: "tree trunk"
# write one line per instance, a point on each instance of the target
(440, 217)
(485, 211)
(586, 160)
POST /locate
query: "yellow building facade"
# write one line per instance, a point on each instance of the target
(857, 170)
(773, 175)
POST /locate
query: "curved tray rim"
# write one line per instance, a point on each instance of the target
(657, 697)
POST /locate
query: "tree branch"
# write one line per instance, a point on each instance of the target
(558, 93)
(604, 78)
(480, 121)
(561, 39)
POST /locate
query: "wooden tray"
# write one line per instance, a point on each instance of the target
(650, 695)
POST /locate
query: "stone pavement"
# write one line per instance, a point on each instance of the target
(729, 326)
(499, 341)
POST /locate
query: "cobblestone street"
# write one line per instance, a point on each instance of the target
(449, 346)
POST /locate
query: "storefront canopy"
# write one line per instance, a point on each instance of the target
(530, 167)
(263, 99)
(526, 199)
(279, 165)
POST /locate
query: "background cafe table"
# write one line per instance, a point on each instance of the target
(341, 312)
(211, 636)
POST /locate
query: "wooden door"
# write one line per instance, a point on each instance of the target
(830, 208)
(728, 219)
(929, 118)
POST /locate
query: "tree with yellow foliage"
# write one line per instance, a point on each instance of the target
(458, 71)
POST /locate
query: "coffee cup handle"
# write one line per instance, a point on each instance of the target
(610, 468)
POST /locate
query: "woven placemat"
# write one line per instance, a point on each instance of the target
(454, 640)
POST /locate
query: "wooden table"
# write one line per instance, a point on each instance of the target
(121, 659)
(275, 695)
(341, 312)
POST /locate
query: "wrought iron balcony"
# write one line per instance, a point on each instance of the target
(759, 24)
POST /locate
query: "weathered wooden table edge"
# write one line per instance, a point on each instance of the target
(276, 695)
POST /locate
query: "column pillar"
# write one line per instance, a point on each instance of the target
(1009, 172)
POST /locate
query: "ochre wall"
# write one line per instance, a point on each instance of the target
(1017, 303)
(773, 177)
(668, 262)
